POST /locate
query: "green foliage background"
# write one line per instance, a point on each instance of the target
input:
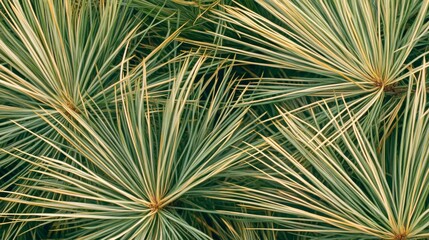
(214, 119)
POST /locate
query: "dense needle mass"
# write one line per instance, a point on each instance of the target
(214, 119)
